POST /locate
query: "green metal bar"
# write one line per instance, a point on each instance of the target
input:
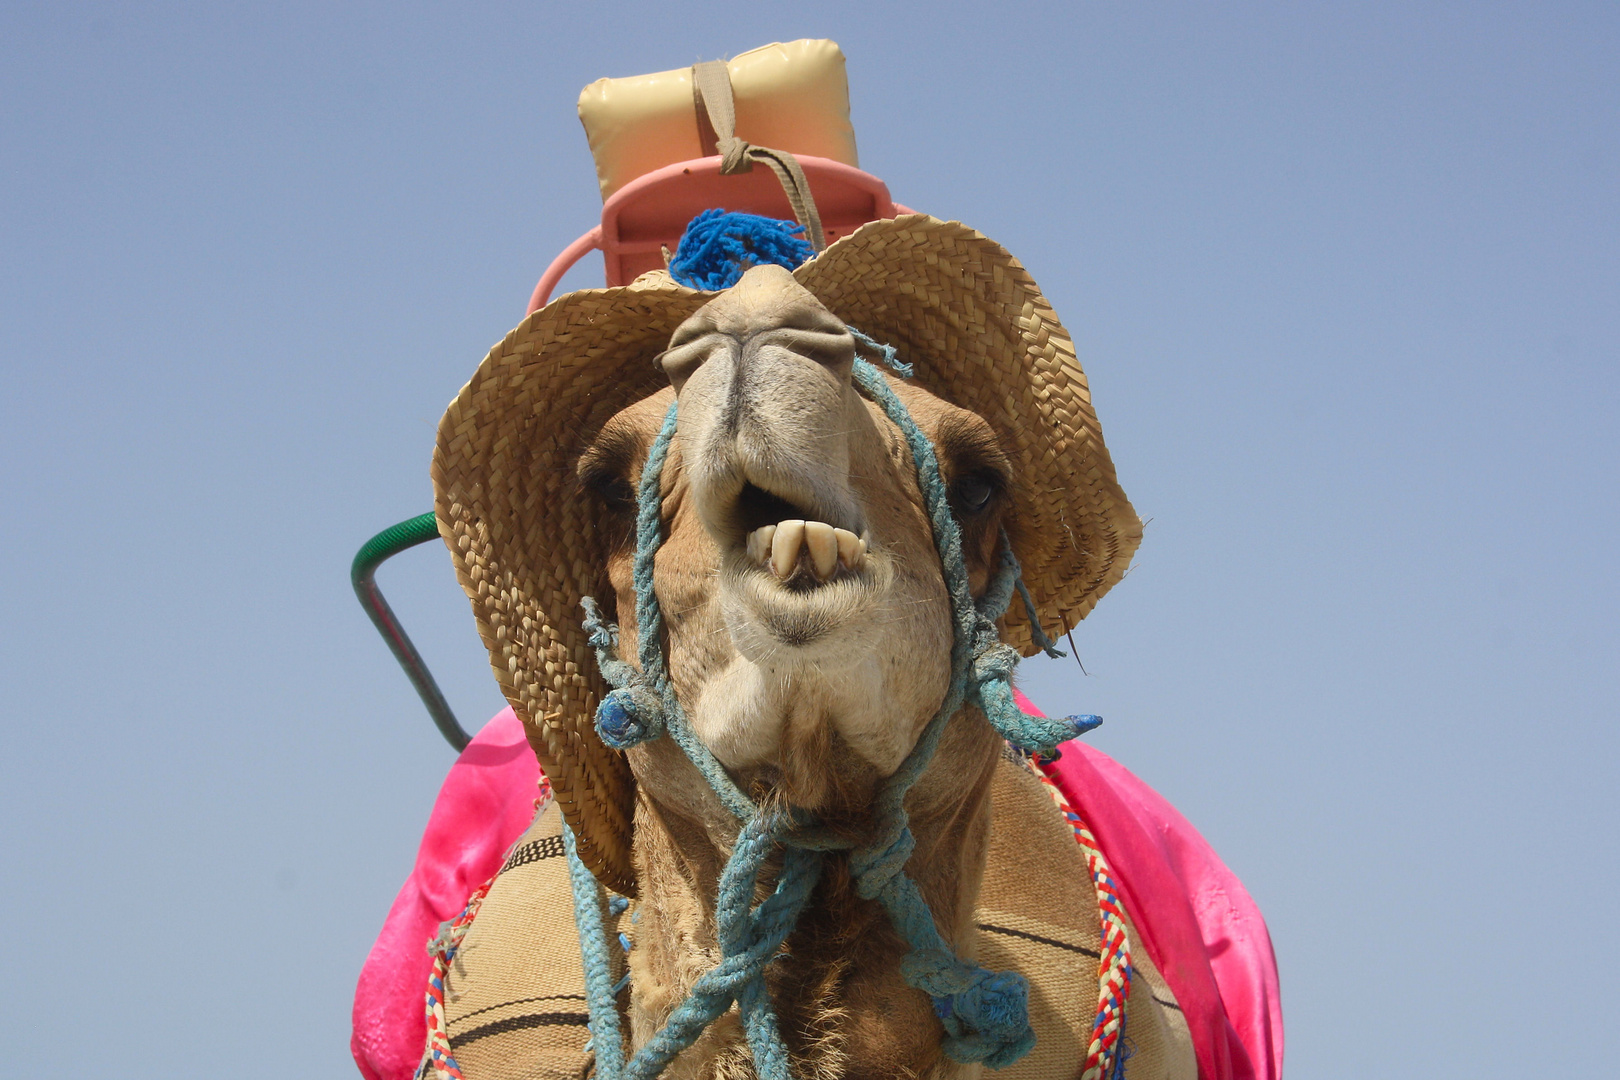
(385, 545)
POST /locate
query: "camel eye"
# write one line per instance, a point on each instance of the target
(612, 489)
(604, 469)
(973, 493)
(980, 475)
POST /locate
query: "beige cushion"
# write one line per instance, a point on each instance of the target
(792, 97)
(514, 1001)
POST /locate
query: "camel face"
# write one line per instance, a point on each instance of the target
(809, 627)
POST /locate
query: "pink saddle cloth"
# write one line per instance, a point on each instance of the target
(1191, 913)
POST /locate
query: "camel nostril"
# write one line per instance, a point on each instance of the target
(683, 358)
(678, 368)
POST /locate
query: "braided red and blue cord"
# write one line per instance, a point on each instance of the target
(437, 1060)
(1104, 1057)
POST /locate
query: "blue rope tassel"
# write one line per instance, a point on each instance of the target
(719, 246)
(985, 1014)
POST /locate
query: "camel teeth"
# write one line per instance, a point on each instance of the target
(785, 546)
(780, 547)
(818, 537)
(850, 548)
(759, 544)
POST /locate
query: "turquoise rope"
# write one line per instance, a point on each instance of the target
(979, 660)
(749, 938)
(650, 621)
(590, 916)
(985, 1014)
(888, 355)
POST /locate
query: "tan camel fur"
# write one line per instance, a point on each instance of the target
(808, 675)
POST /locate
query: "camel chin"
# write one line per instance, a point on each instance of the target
(812, 611)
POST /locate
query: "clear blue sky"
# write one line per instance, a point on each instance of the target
(1346, 279)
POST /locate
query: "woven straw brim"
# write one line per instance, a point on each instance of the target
(528, 542)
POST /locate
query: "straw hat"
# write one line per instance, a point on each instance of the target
(528, 542)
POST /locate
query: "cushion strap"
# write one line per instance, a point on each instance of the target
(717, 119)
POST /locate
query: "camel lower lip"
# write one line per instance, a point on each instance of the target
(804, 580)
(796, 633)
(802, 611)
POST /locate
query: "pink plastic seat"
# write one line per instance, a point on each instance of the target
(650, 213)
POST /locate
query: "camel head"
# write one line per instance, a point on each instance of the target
(809, 629)
(807, 657)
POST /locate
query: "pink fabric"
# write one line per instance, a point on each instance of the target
(486, 803)
(1193, 915)
(1197, 921)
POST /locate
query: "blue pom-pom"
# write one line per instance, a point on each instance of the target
(719, 245)
(625, 718)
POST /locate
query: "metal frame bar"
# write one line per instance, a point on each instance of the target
(385, 545)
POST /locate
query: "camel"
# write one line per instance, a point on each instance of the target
(808, 634)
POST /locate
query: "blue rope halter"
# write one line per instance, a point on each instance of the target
(985, 1014)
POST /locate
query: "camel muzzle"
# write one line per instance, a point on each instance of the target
(763, 377)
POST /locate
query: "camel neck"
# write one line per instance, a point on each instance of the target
(845, 955)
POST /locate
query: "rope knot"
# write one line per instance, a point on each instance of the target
(879, 863)
(993, 660)
(734, 155)
(985, 1013)
(633, 711)
(629, 715)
